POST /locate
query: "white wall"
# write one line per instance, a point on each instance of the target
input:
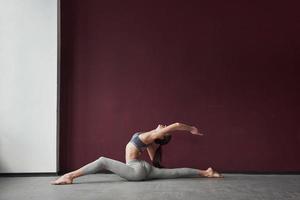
(28, 86)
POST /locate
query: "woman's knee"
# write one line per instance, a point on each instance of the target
(102, 160)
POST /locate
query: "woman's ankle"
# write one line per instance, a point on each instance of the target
(74, 174)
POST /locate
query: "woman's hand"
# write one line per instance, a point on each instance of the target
(195, 131)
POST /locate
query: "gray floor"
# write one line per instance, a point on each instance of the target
(110, 186)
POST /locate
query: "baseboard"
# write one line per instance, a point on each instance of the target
(28, 174)
(108, 172)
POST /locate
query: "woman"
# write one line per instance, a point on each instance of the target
(136, 169)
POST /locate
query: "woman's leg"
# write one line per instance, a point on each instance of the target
(163, 173)
(117, 167)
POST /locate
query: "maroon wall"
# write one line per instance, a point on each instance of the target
(231, 69)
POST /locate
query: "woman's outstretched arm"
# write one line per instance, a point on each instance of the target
(176, 127)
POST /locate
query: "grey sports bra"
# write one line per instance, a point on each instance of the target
(138, 142)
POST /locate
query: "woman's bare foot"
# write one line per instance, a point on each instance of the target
(210, 173)
(65, 179)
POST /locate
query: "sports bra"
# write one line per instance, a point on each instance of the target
(138, 142)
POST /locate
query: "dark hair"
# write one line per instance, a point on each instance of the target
(158, 153)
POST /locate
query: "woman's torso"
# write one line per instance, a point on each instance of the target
(132, 151)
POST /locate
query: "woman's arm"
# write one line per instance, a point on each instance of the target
(151, 149)
(160, 133)
(191, 129)
(184, 127)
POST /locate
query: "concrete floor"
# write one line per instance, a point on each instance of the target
(110, 186)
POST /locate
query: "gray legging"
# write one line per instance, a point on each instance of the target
(137, 170)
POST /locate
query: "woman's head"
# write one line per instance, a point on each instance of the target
(166, 139)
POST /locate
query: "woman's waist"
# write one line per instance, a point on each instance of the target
(136, 161)
(132, 152)
(133, 160)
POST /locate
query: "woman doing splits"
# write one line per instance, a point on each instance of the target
(136, 169)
